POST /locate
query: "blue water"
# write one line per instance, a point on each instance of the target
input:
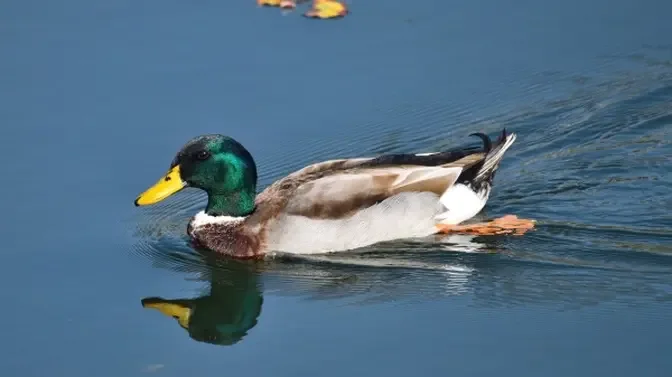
(98, 96)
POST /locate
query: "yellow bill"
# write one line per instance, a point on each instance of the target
(179, 312)
(165, 187)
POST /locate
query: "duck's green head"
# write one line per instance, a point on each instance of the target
(217, 164)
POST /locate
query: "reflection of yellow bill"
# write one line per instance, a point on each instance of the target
(179, 312)
(327, 9)
(165, 187)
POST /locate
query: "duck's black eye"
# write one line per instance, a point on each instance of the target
(202, 155)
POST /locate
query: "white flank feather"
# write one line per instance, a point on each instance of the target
(406, 215)
(461, 204)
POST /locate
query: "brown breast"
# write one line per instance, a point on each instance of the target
(230, 239)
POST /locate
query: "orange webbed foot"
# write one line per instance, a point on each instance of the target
(509, 224)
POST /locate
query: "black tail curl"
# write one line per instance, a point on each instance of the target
(487, 142)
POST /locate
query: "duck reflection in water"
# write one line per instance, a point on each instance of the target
(224, 315)
(232, 307)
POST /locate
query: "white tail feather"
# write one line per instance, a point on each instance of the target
(494, 157)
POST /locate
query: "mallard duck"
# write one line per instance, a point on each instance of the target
(335, 205)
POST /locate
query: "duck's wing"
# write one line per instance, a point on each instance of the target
(338, 188)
